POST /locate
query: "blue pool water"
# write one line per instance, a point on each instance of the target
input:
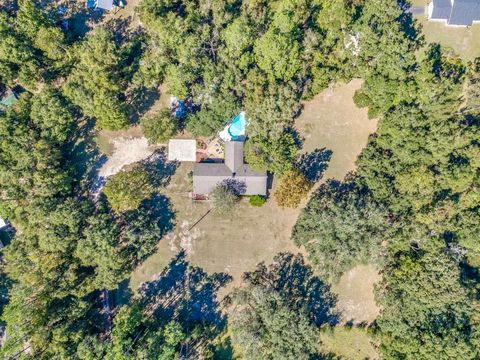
(237, 127)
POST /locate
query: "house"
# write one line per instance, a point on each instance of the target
(454, 12)
(208, 175)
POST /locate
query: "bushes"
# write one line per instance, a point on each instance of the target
(257, 200)
(159, 127)
(292, 189)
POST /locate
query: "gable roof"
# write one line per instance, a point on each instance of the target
(456, 12)
(464, 12)
(208, 175)
(441, 9)
(7, 97)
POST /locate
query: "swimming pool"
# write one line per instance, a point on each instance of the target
(237, 127)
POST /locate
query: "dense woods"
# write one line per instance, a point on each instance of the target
(412, 207)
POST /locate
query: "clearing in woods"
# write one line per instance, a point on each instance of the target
(237, 243)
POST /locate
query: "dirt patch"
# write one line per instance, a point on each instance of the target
(356, 299)
(331, 120)
(125, 151)
(122, 148)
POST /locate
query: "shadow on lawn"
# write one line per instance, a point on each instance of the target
(314, 164)
(188, 295)
(159, 169)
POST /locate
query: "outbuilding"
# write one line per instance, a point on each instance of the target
(182, 150)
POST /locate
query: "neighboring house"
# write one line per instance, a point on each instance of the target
(207, 175)
(7, 97)
(454, 12)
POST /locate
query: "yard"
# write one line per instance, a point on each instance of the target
(236, 243)
(464, 41)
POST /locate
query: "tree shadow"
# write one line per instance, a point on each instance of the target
(188, 295)
(144, 227)
(160, 170)
(81, 22)
(236, 186)
(407, 22)
(295, 281)
(314, 164)
(86, 158)
(141, 100)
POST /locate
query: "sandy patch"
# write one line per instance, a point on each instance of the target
(126, 151)
(356, 299)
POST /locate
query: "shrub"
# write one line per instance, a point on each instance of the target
(257, 200)
(292, 189)
(159, 127)
(224, 199)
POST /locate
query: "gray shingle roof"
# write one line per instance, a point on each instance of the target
(465, 12)
(441, 9)
(462, 12)
(207, 175)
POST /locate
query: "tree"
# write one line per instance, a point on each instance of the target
(128, 188)
(95, 84)
(342, 226)
(275, 314)
(224, 199)
(428, 311)
(273, 154)
(293, 187)
(159, 127)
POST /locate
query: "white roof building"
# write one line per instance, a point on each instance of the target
(182, 150)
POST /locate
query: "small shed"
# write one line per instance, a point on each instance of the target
(182, 150)
(3, 223)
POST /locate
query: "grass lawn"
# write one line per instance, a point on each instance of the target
(348, 343)
(355, 290)
(333, 121)
(236, 243)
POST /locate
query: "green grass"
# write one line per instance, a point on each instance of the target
(348, 343)
(464, 41)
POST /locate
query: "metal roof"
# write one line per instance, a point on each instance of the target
(105, 4)
(182, 150)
